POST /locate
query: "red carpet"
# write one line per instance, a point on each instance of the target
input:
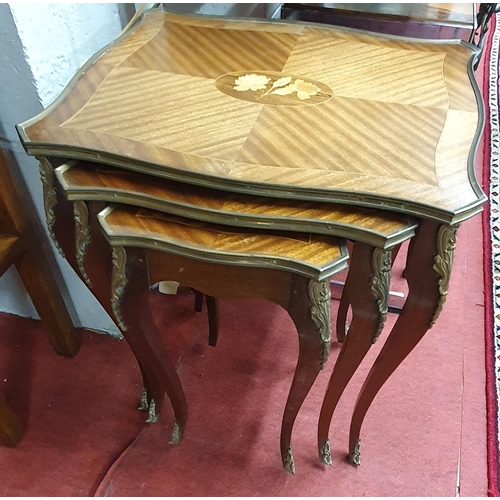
(492, 254)
(79, 413)
(426, 427)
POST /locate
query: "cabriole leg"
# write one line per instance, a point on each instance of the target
(130, 305)
(367, 289)
(428, 273)
(309, 308)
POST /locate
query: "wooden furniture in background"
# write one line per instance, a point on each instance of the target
(418, 20)
(302, 114)
(32, 267)
(20, 246)
(11, 430)
(212, 313)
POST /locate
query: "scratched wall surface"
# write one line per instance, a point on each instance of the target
(59, 38)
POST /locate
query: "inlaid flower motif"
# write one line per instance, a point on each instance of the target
(281, 86)
(281, 82)
(251, 82)
(289, 89)
(305, 89)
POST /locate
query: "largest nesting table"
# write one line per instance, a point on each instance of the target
(304, 112)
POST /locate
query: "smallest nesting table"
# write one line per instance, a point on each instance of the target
(290, 269)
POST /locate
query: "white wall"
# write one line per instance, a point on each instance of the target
(59, 38)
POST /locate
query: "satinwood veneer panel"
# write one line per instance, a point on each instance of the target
(87, 181)
(330, 114)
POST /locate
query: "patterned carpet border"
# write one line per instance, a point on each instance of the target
(491, 227)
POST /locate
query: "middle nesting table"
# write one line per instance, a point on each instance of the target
(375, 234)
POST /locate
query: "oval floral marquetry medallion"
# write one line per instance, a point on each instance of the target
(278, 89)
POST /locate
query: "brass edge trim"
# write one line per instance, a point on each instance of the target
(380, 284)
(66, 166)
(101, 217)
(471, 171)
(443, 262)
(470, 211)
(245, 260)
(59, 173)
(105, 212)
(133, 19)
(368, 200)
(329, 228)
(49, 198)
(83, 237)
(118, 282)
(320, 296)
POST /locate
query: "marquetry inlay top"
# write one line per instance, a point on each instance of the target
(272, 88)
(277, 109)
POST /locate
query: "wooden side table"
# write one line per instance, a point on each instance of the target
(292, 270)
(294, 112)
(376, 234)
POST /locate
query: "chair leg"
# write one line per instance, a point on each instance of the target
(213, 315)
(49, 303)
(11, 430)
(198, 301)
(213, 320)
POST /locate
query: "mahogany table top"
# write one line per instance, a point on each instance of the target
(278, 109)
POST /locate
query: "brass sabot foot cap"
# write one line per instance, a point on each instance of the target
(289, 463)
(144, 404)
(177, 433)
(324, 452)
(153, 416)
(354, 457)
